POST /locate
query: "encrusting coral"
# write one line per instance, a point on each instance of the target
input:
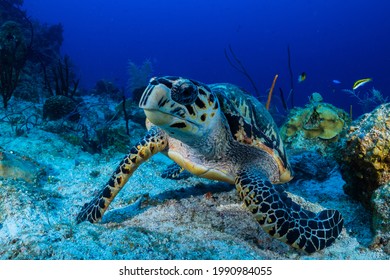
(320, 123)
(366, 155)
(365, 167)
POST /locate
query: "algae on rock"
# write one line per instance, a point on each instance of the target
(365, 162)
(15, 166)
(365, 167)
(316, 126)
(381, 216)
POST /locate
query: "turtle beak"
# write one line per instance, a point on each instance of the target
(153, 94)
(153, 99)
(286, 176)
(285, 172)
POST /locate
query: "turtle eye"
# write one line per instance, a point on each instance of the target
(184, 92)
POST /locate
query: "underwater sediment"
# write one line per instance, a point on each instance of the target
(187, 219)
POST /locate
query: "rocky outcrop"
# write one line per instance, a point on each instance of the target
(366, 154)
(365, 167)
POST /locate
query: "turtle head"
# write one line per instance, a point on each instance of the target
(184, 108)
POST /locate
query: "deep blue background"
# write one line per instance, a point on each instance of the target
(329, 39)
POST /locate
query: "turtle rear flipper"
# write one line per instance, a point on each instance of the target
(175, 172)
(153, 142)
(284, 219)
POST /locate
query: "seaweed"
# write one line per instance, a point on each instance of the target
(367, 100)
(237, 64)
(270, 92)
(291, 94)
(283, 100)
(138, 78)
(13, 56)
(62, 74)
(125, 114)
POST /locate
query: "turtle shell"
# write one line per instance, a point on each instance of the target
(251, 124)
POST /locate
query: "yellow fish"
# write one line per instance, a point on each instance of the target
(302, 77)
(361, 82)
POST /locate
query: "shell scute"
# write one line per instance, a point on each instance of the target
(249, 122)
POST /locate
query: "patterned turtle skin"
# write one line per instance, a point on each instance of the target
(221, 133)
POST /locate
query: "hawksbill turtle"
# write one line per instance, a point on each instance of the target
(220, 132)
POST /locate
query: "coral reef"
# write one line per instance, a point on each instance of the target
(381, 217)
(63, 77)
(369, 99)
(135, 113)
(13, 56)
(317, 126)
(34, 49)
(365, 159)
(193, 218)
(365, 166)
(104, 87)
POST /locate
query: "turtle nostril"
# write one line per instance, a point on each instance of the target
(153, 81)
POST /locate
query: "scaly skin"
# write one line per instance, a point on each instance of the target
(282, 218)
(173, 171)
(154, 141)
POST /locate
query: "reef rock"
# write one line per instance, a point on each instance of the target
(315, 127)
(17, 167)
(310, 165)
(381, 216)
(365, 162)
(365, 167)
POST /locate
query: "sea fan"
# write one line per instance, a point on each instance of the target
(138, 75)
(369, 99)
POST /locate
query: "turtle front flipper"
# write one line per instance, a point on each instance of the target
(284, 219)
(175, 172)
(172, 171)
(153, 142)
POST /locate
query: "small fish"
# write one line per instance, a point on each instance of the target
(302, 77)
(336, 82)
(361, 82)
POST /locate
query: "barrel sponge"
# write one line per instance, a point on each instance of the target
(58, 107)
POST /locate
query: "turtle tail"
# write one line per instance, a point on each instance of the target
(284, 219)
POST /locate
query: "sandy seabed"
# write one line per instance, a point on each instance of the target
(151, 218)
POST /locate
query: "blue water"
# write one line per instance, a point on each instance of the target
(344, 40)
